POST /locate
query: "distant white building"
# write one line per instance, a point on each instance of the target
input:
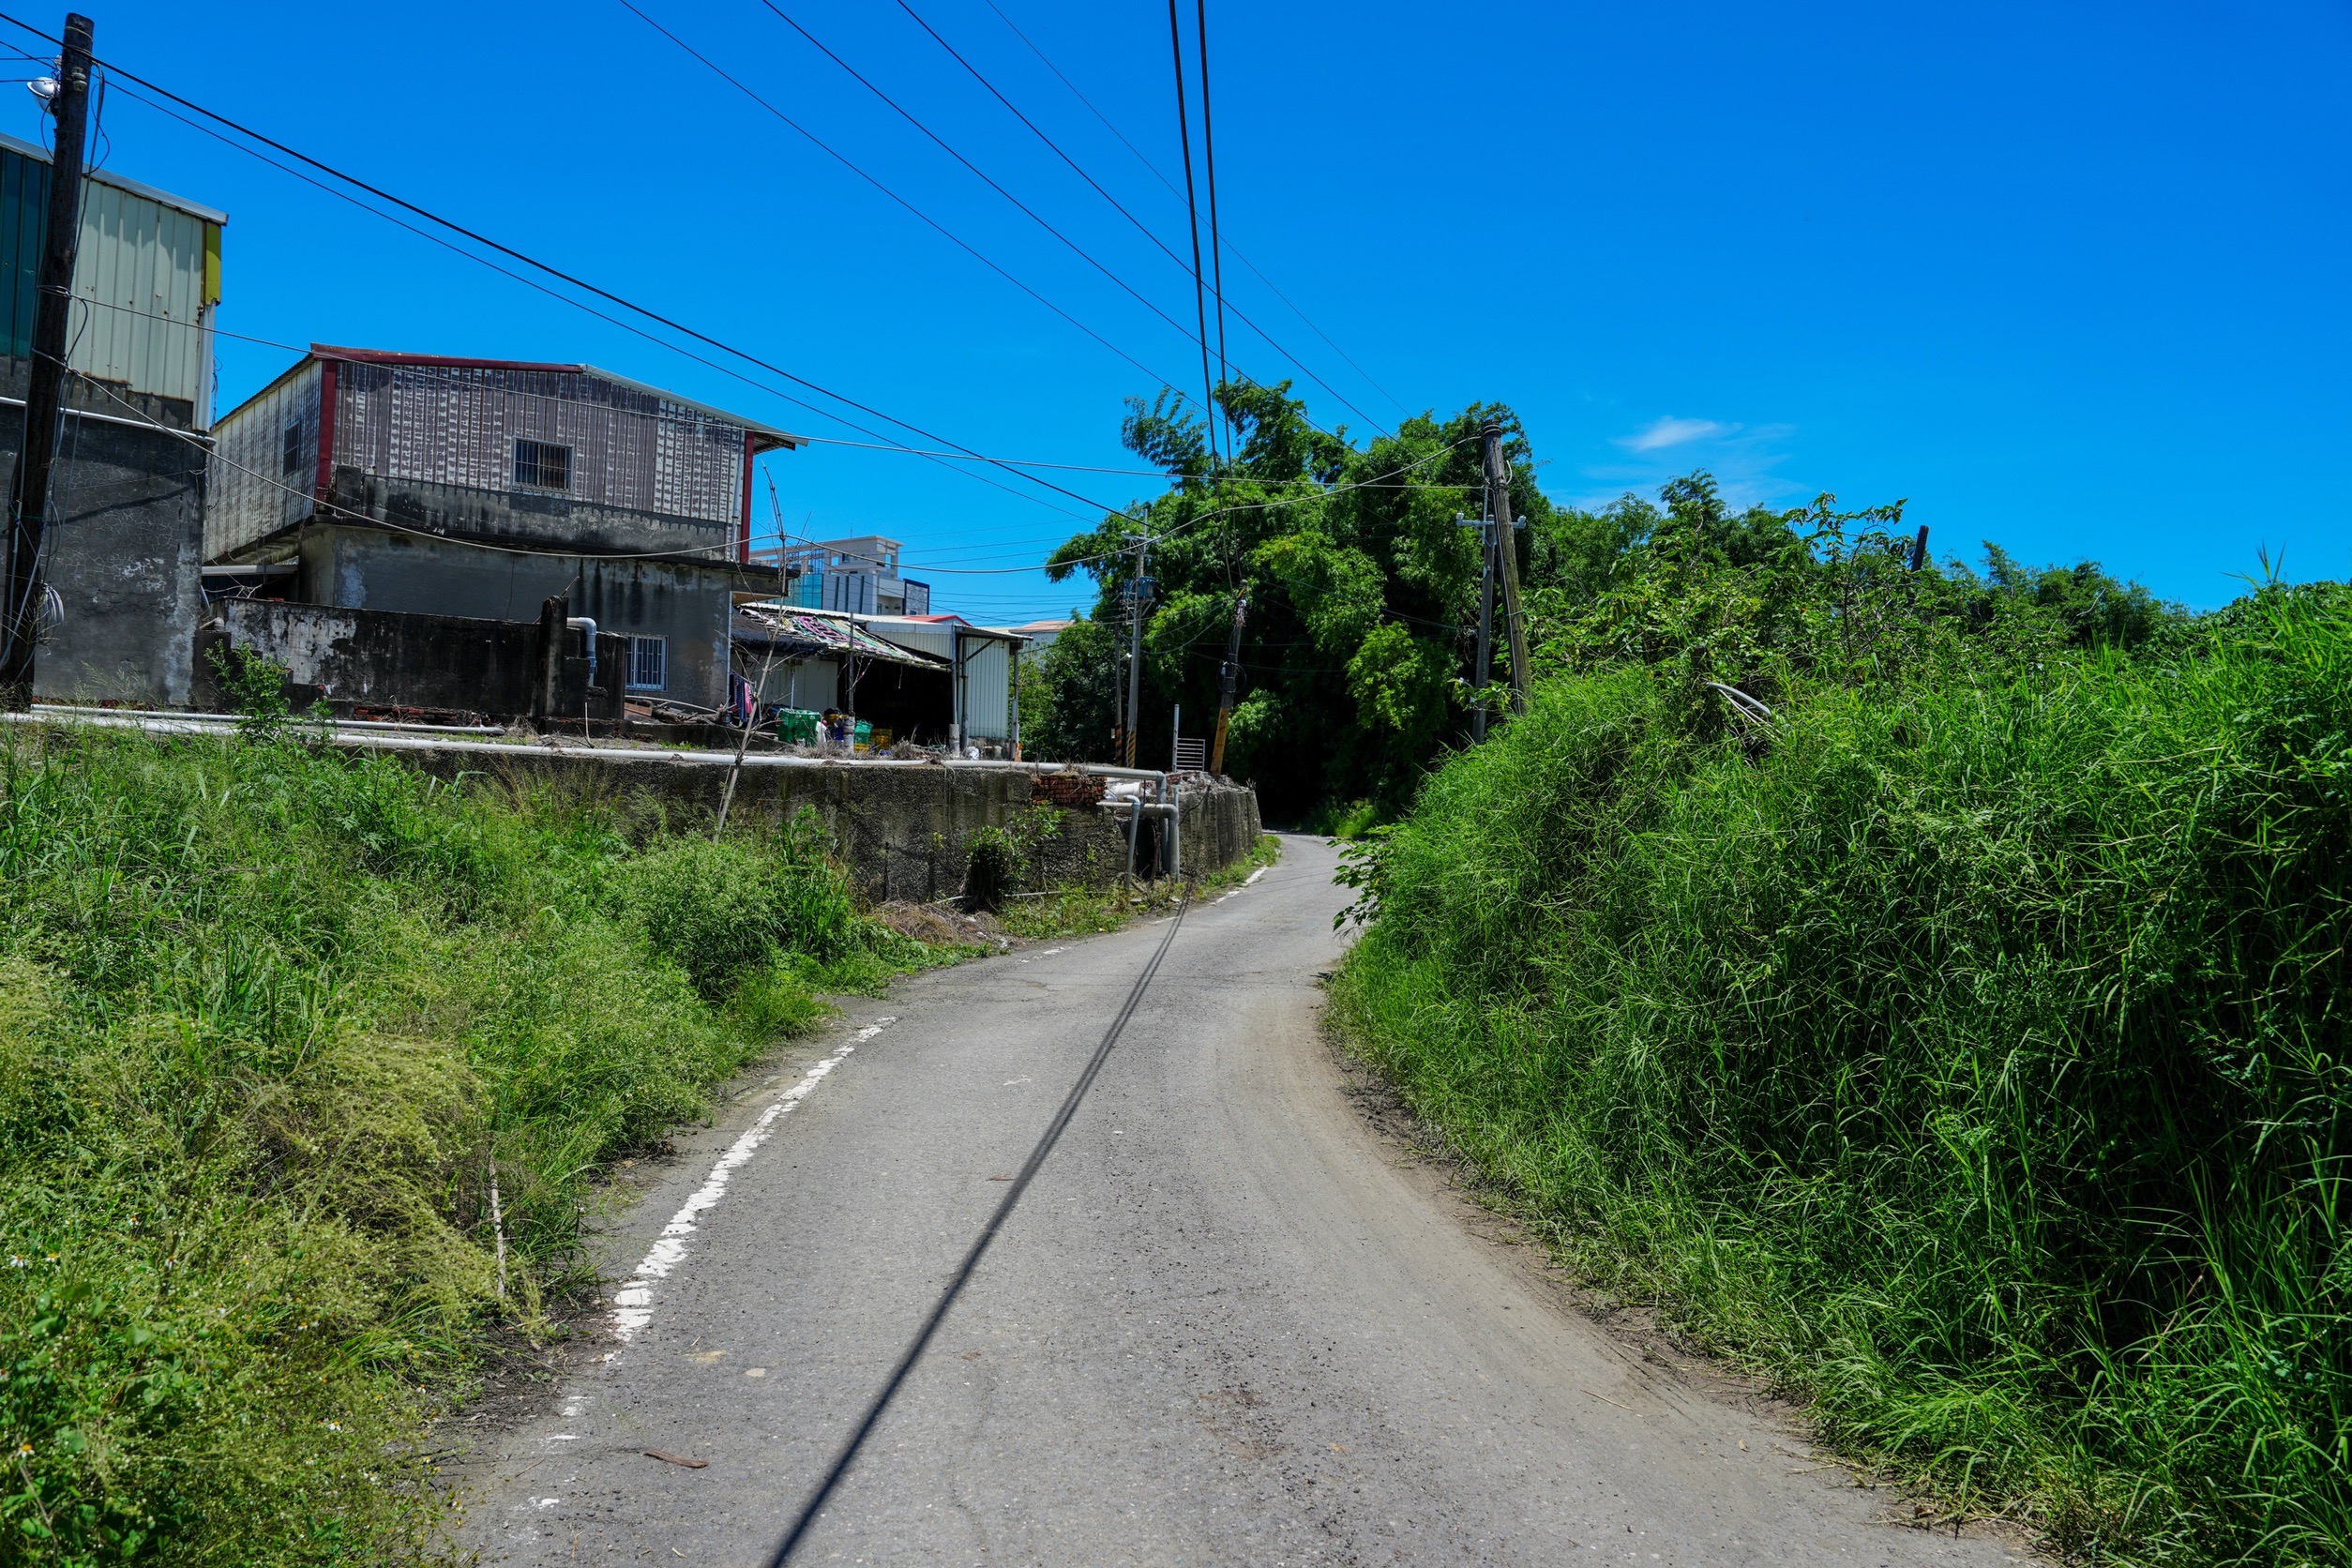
(856, 576)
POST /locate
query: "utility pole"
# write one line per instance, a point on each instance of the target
(29, 505)
(1506, 545)
(1135, 653)
(1483, 669)
(1228, 675)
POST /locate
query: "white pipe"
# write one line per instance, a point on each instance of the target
(383, 723)
(187, 724)
(582, 623)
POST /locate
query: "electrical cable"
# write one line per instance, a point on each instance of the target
(1192, 210)
(945, 233)
(533, 262)
(1208, 159)
(1076, 249)
(1140, 226)
(1058, 75)
(606, 317)
(212, 451)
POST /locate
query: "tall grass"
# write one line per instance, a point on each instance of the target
(1974, 1058)
(271, 1022)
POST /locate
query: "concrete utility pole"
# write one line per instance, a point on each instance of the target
(1507, 547)
(1228, 675)
(1482, 670)
(29, 505)
(1135, 653)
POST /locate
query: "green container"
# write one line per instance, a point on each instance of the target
(797, 724)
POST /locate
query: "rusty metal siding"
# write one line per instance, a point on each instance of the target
(458, 425)
(252, 493)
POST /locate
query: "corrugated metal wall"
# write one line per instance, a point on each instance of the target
(23, 215)
(148, 260)
(987, 670)
(252, 492)
(141, 283)
(459, 426)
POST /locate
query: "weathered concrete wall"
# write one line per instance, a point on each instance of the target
(540, 520)
(125, 554)
(373, 658)
(688, 604)
(900, 830)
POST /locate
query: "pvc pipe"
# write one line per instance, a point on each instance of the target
(582, 623)
(189, 724)
(382, 724)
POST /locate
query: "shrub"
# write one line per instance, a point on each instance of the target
(270, 1020)
(1970, 1055)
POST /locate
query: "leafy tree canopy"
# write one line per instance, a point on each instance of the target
(1363, 589)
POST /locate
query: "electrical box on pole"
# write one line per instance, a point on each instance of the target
(28, 511)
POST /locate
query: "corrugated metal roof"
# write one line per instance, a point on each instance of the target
(107, 177)
(805, 634)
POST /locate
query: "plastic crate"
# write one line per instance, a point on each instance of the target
(798, 724)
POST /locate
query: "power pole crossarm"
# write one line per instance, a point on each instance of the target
(1506, 545)
(20, 617)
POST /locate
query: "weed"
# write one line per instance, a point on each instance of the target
(1971, 1056)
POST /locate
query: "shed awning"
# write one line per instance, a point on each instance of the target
(789, 634)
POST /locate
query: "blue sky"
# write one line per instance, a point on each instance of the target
(2069, 278)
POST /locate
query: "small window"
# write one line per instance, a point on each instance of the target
(540, 465)
(648, 663)
(292, 463)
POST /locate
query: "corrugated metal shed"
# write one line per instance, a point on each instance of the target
(986, 660)
(147, 275)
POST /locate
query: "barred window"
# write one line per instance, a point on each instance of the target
(648, 659)
(541, 465)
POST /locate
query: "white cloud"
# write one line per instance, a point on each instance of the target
(1670, 432)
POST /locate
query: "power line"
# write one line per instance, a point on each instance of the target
(1192, 212)
(1140, 226)
(1209, 156)
(1157, 174)
(1076, 249)
(538, 266)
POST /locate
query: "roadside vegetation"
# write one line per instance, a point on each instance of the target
(309, 1068)
(1929, 988)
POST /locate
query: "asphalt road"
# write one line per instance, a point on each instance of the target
(1230, 1323)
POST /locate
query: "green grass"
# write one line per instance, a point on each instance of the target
(272, 1020)
(1085, 911)
(1974, 1060)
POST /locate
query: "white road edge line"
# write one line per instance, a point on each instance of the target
(633, 1303)
(1254, 876)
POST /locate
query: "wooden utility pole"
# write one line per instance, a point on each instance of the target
(1506, 548)
(1228, 675)
(1134, 654)
(28, 508)
(1482, 670)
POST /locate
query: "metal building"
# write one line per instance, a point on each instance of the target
(145, 282)
(122, 559)
(558, 456)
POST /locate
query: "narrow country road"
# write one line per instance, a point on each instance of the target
(1228, 1323)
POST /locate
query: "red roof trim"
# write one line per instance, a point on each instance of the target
(445, 361)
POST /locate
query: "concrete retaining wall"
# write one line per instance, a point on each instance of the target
(901, 828)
